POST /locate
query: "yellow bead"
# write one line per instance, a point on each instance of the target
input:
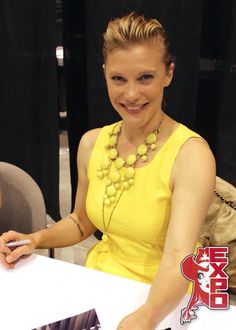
(105, 238)
(115, 177)
(151, 138)
(117, 185)
(142, 149)
(107, 202)
(105, 196)
(125, 185)
(144, 158)
(108, 182)
(119, 162)
(105, 163)
(111, 191)
(129, 172)
(153, 146)
(116, 129)
(113, 199)
(112, 153)
(131, 182)
(113, 141)
(131, 159)
(100, 174)
(105, 172)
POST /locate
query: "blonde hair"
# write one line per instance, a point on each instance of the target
(135, 29)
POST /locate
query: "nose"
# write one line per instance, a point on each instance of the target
(131, 92)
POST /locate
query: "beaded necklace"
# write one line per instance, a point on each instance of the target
(120, 177)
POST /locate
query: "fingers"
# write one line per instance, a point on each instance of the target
(10, 256)
(11, 235)
(18, 253)
(4, 262)
(3, 247)
(4, 251)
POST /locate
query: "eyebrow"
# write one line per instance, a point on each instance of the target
(147, 72)
(116, 73)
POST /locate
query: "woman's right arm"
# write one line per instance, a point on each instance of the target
(69, 231)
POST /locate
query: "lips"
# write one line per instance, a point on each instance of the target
(134, 109)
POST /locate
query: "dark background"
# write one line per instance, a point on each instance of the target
(201, 96)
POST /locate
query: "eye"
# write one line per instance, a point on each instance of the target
(146, 77)
(117, 78)
(200, 276)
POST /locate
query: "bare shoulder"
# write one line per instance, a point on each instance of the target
(195, 160)
(195, 150)
(86, 145)
(88, 140)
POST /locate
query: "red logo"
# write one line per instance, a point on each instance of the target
(206, 271)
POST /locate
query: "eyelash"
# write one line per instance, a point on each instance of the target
(142, 78)
(117, 78)
(146, 77)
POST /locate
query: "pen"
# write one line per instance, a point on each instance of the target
(18, 243)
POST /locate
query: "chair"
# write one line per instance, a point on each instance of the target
(22, 206)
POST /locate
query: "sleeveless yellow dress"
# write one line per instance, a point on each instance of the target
(139, 222)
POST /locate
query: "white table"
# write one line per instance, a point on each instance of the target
(41, 290)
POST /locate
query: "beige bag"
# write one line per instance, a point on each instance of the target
(219, 228)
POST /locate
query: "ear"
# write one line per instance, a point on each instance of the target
(169, 74)
(104, 70)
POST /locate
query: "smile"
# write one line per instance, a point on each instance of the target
(134, 109)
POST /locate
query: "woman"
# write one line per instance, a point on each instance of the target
(146, 182)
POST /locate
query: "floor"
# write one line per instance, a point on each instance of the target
(77, 253)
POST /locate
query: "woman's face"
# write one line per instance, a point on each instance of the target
(136, 78)
(204, 277)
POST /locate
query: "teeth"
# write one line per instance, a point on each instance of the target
(134, 108)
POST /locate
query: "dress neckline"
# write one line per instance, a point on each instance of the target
(164, 145)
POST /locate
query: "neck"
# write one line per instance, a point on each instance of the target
(135, 135)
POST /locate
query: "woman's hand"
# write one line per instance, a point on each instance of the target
(10, 256)
(138, 320)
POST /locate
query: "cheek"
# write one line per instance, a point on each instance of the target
(204, 281)
(204, 284)
(113, 92)
(113, 96)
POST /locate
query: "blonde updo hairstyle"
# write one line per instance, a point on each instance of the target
(135, 29)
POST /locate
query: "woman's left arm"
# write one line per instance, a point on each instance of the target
(192, 182)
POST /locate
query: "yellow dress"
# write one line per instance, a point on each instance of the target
(139, 222)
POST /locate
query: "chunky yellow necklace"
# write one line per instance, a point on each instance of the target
(120, 177)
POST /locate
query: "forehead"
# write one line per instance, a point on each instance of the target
(136, 55)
